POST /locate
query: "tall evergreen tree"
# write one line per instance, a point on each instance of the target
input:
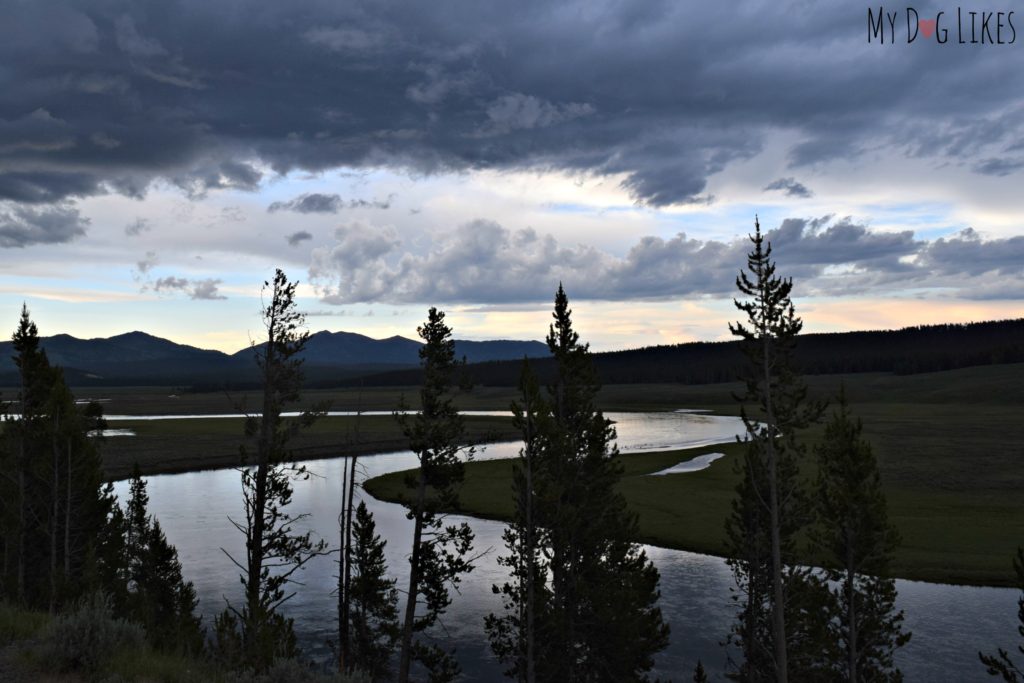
(53, 509)
(345, 524)
(856, 542)
(159, 598)
(1000, 663)
(374, 601)
(770, 507)
(22, 436)
(438, 557)
(514, 636)
(597, 619)
(274, 550)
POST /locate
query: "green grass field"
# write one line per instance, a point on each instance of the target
(166, 446)
(950, 447)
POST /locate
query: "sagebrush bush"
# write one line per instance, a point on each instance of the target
(294, 671)
(85, 639)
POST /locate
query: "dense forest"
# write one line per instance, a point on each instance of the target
(909, 350)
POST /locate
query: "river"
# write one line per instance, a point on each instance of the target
(950, 623)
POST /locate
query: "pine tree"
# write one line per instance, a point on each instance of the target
(699, 675)
(597, 619)
(517, 635)
(438, 557)
(770, 507)
(136, 520)
(1000, 664)
(22, 437)
(258, 632)
(856, 542)
(53, 509)
(345, 522)
(108, 568)
(374, 601)
(158, 596)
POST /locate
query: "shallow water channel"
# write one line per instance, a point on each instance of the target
(950, 623)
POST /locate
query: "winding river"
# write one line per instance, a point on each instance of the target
(950, 623)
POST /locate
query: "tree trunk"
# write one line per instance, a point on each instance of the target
(342, 593)
(255, 569)
(267, 423)
(414, 579)
(563, 555)
(851, 611)
(346, 641)
(778, 595)
(54, 517)
(22, 511)
(67, 517)
(531, 674)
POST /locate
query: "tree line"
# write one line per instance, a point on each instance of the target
(581, 598)
(63, 535)
(911, 350)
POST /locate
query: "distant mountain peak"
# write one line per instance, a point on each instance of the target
(140, 355)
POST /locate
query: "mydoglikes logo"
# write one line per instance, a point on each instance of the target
(963, 27)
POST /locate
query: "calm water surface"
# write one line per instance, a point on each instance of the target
(950, 623)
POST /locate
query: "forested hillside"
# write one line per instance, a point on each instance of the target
(906, 351)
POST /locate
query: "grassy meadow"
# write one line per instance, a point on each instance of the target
(167, 446)
(950, 447)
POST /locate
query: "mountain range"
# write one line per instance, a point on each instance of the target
(141, 358)
(346, 358)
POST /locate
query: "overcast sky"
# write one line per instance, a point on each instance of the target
(159, 159)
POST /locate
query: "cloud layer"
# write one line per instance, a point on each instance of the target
(108, 97)
(21, 226)
(484, 262)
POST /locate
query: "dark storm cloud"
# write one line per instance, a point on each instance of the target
(22, 226)
(205, 289)
(484, 262)
(44, 188)
(967, 253)
(315, 202)
(818, 241)
(791, 187)
(109, 96)
(999, 167)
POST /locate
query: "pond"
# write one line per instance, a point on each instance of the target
(950, 623)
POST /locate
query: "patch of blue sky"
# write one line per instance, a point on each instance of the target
(345, 182)
(722, 222)
(928, 220)
(591, 209)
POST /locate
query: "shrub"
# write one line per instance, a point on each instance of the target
(87, 638)
(295, 671)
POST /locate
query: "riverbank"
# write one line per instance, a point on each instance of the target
(947, 538)
(950, 448)
(202, 443)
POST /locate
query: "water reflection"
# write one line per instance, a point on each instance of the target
(950, 623)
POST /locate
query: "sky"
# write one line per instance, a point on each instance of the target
(158, 160)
